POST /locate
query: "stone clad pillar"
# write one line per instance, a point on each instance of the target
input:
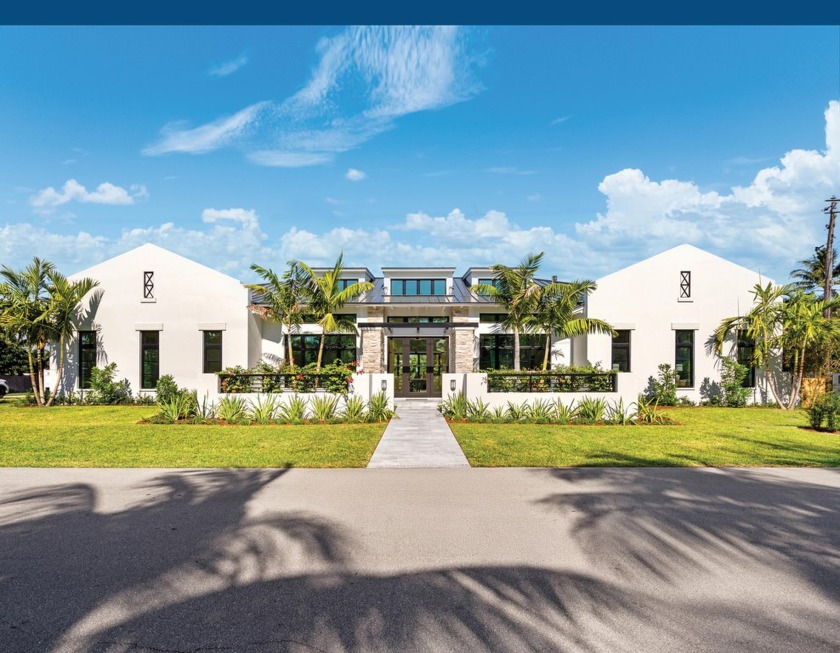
(463, 342)
(373, 343)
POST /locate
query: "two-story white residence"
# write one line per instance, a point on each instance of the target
(161, 313)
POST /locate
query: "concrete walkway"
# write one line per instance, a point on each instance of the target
(418, 437)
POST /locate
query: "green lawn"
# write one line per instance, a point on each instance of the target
(719, 437)
(109, 436)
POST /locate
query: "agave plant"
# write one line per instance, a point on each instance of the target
(518, 412)
(618, 413)
(478, 410)
(354, 409)
(647, 411)
(325, 407)
(564, 413)
(232, 409)
(264, 408)
(379, 408)
(455, 407)
(592, 409)
(294, 410)
(178, 407)
(498, 414)
(542, 411)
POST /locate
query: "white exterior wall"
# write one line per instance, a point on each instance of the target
(188, 298)
(645, 298)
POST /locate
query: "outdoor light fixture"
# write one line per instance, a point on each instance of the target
(384, 385)
(452, 385)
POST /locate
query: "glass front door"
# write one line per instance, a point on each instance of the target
(417, 365)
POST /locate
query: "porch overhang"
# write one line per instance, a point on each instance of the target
(415, 329)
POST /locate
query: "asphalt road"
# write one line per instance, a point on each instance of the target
(141, 561)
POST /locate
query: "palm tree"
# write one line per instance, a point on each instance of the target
(811, 276)
(25, 303)
(518, 291)
(64, 314)
(555, 313)
(783, 318)
(324, 299)
(281, 300)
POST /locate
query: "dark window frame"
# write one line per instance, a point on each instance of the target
(492, 318)
(344, 284)
(87, 344)
(149, 356)
(685, 284)
(401, 287)
(491, 356)
(745, 347)
(684, 380)
(336, 346)
(618, 346)
(148, 284)
(209, 366)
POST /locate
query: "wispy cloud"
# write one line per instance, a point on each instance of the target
(509, 170)
(354, 175)
(47, 199)
(229, 67)
(365, 79)
(559, 121)
(534, 197)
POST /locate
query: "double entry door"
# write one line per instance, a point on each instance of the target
(417, 365)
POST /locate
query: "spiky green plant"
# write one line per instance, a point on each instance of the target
(542, 411)
(178, 407)
(564, 413)
(232, 409)
(478, 410)
(264, 408)
(518, 412)
(294, 410)
(379, 408)
(498, 414)
(591, 409)
(455, 406)
(354, 410)
(618, 413)
(324, 407)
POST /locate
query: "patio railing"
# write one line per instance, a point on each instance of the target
(552, 382)
(292, 382)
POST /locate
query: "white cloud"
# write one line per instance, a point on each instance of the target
(208, 137)
(354, 175)
(245, 217)
(559, 121)
(365, 79)
(47, 199)
(534, 197)
(229, 67)
(509, 170)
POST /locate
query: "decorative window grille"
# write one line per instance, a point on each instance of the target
(685, 284)
(148, 285)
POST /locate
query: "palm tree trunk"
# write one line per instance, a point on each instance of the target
(39, 360)
(32, 376)
(797, 383)
(289, 351)
(59, 373)
(320, 352)
(547, 351)
(516, 364)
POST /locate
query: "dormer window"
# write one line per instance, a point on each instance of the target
(344, 284)
(424, 287)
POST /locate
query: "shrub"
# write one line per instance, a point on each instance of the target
(324, 407)
(231, 379)
(592, 409)
(825, 409)
(455, 406)
(564, 413)
(478, 410)
(354, 409)
(294, 410)
(232, 409)
(732, 376)
(179, 406)
(542, 411)
(166, 389)
(617, 413)
(663, 389)
(264, 408)
(518, 412)
(104, 389)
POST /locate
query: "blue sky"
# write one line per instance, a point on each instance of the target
(418, 146)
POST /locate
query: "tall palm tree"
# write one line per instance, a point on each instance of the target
(555, 313)
(810, 277)
(324, 299)
(281, 300)
(782, 318)
(517, 290)
(63, 315)
(25, 303)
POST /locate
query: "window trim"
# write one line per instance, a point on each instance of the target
(622, 345)
(690, 347)
(300, 351)
(743, 343)
(84, 380)
(206, 347)
(537, 346)
(144, 347)
(435, 284)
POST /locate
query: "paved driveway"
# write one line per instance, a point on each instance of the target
(419, 560)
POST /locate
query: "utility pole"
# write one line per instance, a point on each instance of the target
(831, 210)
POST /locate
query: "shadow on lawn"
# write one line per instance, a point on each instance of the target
(190, 568)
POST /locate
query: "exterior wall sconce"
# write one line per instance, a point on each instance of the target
(384, 385)
(452, 385)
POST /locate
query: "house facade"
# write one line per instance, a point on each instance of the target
(421, 331)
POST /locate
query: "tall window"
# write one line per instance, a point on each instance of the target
(684, 358)
(418, 286)
(149, 359)
(746, 351)
(87, 357)
(340, 347)
(621, 351)
(212, 351)
(496, 351)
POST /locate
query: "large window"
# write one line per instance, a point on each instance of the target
(87, 357)
(746, 352)
(344, 284)
(149, 359)
(496, 351)
(418, 320)
(492, 318)
(212, 356)
(621, 351)
(418, 286)
(336, 347)
(684, 358)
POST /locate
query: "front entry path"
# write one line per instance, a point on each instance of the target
(418, 437)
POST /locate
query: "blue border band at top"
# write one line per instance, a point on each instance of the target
(345, 12)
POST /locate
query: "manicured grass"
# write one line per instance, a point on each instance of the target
(109, 436)
(719, 437)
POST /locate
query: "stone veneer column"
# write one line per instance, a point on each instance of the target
(463, 341)
(373, 343)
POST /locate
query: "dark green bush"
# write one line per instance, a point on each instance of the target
(825, 409)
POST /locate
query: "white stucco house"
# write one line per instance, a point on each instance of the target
(421, 332)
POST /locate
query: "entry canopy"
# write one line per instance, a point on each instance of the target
(409, 329)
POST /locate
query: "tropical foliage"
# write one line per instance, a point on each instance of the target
(810, 276)
(280, 299)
